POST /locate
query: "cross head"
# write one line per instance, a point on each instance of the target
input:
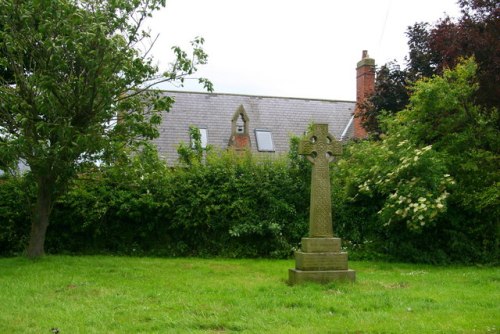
(320, 146)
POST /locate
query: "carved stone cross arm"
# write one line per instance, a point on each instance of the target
(320, 145)
(319, 148)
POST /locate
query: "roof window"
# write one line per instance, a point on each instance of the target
(264, 140)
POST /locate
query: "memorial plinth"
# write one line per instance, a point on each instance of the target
(320, 258)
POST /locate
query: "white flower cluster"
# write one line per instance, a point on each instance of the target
(407, 161)
(416, 212)
(414, 198)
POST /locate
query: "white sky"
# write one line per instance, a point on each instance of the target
(290, 48)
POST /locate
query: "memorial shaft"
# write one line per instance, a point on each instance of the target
(319, 148)
(320, 215)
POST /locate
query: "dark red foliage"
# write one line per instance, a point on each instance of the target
(476, 33)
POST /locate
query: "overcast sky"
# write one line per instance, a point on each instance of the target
(291, 48)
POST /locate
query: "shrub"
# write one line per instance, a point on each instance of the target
(15, 194)
(230, 205)
(428, 191)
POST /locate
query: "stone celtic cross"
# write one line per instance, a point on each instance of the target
(319, 148)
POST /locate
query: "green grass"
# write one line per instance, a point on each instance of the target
(152, 295)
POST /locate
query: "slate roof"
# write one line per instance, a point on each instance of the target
(280, 115)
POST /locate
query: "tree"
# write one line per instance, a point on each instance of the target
(390, 95)
(435, 48)
(422, 60)
(81, 89)
(430, 187)
(444, 113)
(474, 34)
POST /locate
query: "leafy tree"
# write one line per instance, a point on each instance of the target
(81, 89)
(422, 60)
(5, 74)
(444, 113)
(430, 187)
(435, 48)
(474, 34)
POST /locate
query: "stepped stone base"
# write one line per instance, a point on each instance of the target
(320, 260)
(296, 276)
(314, 245)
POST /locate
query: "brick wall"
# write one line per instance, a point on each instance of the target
(365, 85)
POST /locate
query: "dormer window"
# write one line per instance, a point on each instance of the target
(240, 121)
(240, 136)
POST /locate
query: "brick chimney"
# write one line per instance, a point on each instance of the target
(365, 86)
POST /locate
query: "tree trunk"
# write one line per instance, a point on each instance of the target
(40, 218)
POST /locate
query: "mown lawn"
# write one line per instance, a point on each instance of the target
(105, 294)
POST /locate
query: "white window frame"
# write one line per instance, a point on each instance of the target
(204, 138)
(264, 140)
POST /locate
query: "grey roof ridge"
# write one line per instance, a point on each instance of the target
(256, 96)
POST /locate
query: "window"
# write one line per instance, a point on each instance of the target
(240, 124)
(264, 140)
(204, 138)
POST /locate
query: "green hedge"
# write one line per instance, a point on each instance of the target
(14, 214)
(233, 206)
(243, 206)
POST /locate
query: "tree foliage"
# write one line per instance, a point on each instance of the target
(79, 89)
(422, 60)
(455, 113)
(443, 112)
(193, 153)
(435, 48)
(474, 34)
(429, 189)
(390, 96)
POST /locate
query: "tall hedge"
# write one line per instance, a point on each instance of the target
(14, 214)
(230, 205)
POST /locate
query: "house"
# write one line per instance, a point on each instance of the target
(262, 124)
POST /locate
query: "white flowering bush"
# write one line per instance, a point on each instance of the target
(407, 184)
(415, 188)
(428, 190)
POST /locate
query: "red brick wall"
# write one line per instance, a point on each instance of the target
(240, 142)
(365, 85)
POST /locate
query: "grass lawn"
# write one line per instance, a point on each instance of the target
(105, 294)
